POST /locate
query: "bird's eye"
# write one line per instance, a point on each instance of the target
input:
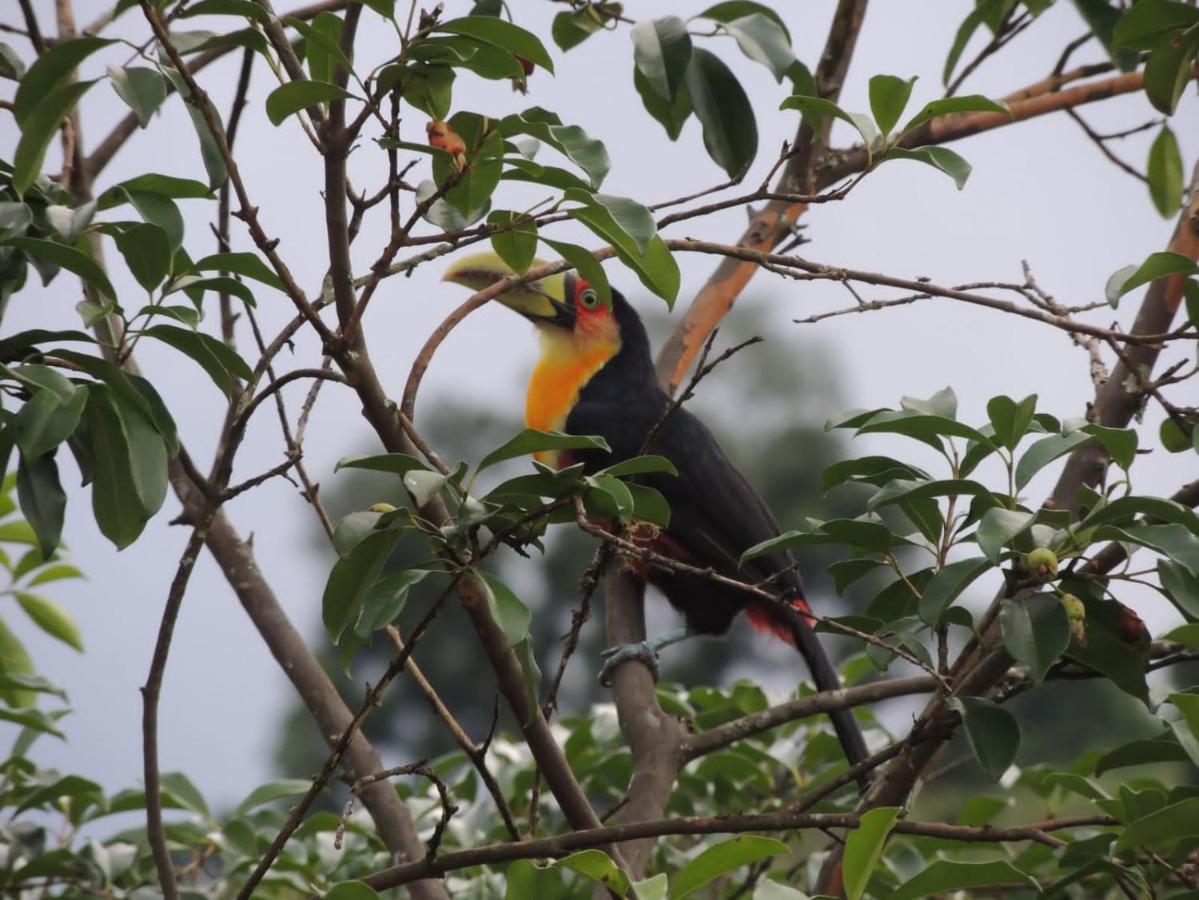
(589, 298)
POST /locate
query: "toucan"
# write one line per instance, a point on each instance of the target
(596, 376)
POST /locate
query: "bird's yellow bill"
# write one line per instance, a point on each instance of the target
(541, 299)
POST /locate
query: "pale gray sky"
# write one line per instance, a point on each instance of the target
(1039, 191)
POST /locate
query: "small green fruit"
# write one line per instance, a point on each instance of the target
(1042, 563)
(1076, 614)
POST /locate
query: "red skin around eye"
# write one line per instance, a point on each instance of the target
(584, 316)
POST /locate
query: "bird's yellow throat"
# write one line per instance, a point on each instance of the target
(568, 361)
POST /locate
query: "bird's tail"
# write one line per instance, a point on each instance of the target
(798, 631)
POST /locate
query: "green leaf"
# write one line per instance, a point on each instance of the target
(764, 40)
(1144, 751)
(661, 52)
(1168, 70)
(293, 96)
(724, 111)
(1157, 265)
(351, 579)
(817, 108)
(1108, 652)
(153, 183)
(1172, 540)
(888, 98)
(1045, 451)
(210, 151)
(1102, 17)
(502, 34)
(115, 502)
(570, 29)
(588, 266)
(516, 239)
(322, 45)
(977, 16)
(222, 363)
(181, 787)
(12, 66)
(533, 441)
(188, 284)
(1120, 443)
(641, 465)
(630, 217)
(386, 600)
(1165, 173)
(473, 186)
(509, 612)
(51, 618)
(864, 848)
(247, 265)
(395, 463)
(1011, 419)
(142, 89)
(597, 866)
(271, 791)
(1146, 24)
(50, 72)
(1163, 828)
(941, 158)
(68, 258)
(15, 663)
(922, 426)
(952, 106)
(946, 875)
(998, 527)
(571, 141)
(656, 267)
(670, 115)
(46, 420)
(1173, 438)
(147, 252)
(1035, 631)
(655, 888)
(739, 9)
(992, 732)
(1180, 586)
(55, 573)
(43, 501)
(903, 489)
(947, 584)
(719, 859)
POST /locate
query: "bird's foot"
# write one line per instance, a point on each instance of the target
(645, 651)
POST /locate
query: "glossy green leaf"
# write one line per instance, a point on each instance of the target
(47, 419)
(43, 501)
(51, 72)
(864, 847)
(210, 151)
(888, 99)
(946, 586)
(12, 66)
(502, 34)
(571, 141)
(720, 859)
(142, 89)
(396, 463)
(586, 264)
(1172, 540)
(670, 115)
(1010, 419)
(992, 732)
(1162, 829)
(1144, 751)
(117, 507)
(763, 40)
(351, 579)
(631, 217)
(944, 876)
(1180, 586)
(818, 108)
(386, 600)
(952, 106)
(975, 18)
(661, 52)
(68, 258)
(641, 465)
(656, 268)
(532, 441)
(515, 240)
(222, 363)
(998, 528)
(15, 663)
(571, 28)
(597, 866)
(1149, 22)
(509, 612)
(1035, 631)
(51, 617)
(1168, 71)
(729, 10)
(247, 265)
(271, 791)
(1164, 172)
(1045, 451)
(147, 251)
(724, 111)
(941, 158)
(291, 97)
(1157, 265)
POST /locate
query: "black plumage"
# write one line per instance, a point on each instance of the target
(715, 514)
